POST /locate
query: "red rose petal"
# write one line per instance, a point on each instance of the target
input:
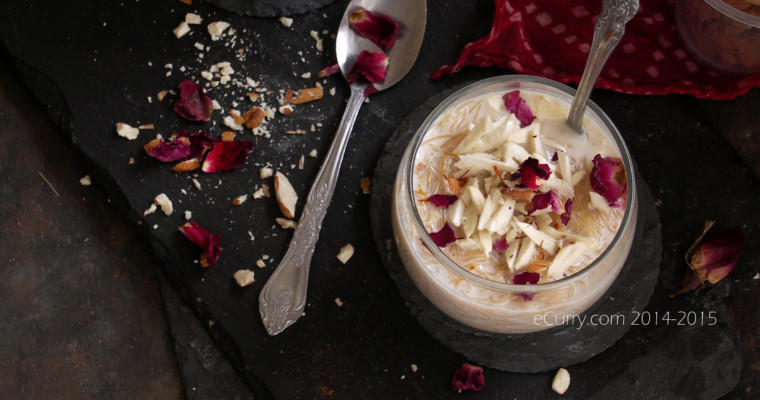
(468, 377)
(170, 151)
(379, 28)
(226, 155)
(526, 278)
(329, 70)
(199, 143)
(517, 105)
(442, 200)
(565, 216)
(207, 241)
(609, 180)
(530, 171)
(193, 104)
(370, 66)
(543, 200)
(444, 237)
(500, 244)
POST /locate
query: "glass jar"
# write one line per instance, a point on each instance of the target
(487, 304)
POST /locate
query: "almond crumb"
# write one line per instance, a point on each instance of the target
(228, 136)
(338, 302)
(286, 195)
(254, 117)
(266, 172)
(286, 223)
(296, 132)
(365, 184)
(561, 381)
(260, 263)
(163, 201)
(244, 277)
(345, 253)
(239, 200)
(85, 180)
(146, 126)
(187, 165)
(287, 109)
(253, 96)
(127, 131)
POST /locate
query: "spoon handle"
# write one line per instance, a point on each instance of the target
(608, 31)
(283, 297)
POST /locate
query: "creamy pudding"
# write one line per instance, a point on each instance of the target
(507, 220)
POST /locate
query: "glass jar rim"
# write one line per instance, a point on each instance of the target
(735, 13)
(535, 82)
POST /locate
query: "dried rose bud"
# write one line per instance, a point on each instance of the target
(444, 237)
(530, 171)
(227, 155)
(193, 104)
(378, 28)
(517, 105)
(207, 241)
(711, 257)
(442, 200)
(609, 180)
(370, 66)
(468, 377)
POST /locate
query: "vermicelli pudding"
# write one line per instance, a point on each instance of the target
(506, 219)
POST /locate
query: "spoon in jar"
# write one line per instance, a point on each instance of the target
(608, 31)
(283, 297)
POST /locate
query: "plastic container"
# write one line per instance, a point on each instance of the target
(721, 35)
(486, 304)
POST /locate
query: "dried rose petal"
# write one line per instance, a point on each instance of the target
(526, 278)
(609, 180)
(468, 377)
(207, 241)
(517, 105)
(531, 171)
(442, 200)
(565, 216)
(227, 155)
(543, 200)
(370, 66)
(199, 143)
(193, 104)
(500, 244)
(331, 69)
(170, 151)
(444, 237)
(379, 28)
(370, 90)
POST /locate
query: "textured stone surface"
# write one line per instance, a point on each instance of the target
(270, 8)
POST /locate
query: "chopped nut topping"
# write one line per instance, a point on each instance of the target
(306, 95)
(365, 185)
(243, 277)
(345, 253)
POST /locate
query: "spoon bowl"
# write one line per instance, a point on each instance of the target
(283, 298)
(410, 16)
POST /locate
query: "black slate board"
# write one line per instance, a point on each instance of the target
(270, 8)
(547, 350)
(94, 64)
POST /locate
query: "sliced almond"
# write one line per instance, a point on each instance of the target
(521, 195)
(228, 136)
(151, 145)
(307, 95)
(345, 253)
(187, 165)
(253, 96)
(286, 195)
(254, 117)
(243, 277)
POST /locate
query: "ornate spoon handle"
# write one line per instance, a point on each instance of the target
(283, 298)
(608, 31)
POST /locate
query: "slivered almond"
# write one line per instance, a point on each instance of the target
(538, 265)
(253, 96)
(286, 195)
(307, 95)
(365, 185)
(454, 186)
(187, 165)
(521, 195)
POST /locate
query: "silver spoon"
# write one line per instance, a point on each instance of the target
(608, 31)
(283, 298)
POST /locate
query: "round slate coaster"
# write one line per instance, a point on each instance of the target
(546, 350)
(270, 8)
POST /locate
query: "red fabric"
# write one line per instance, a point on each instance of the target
(551, 38)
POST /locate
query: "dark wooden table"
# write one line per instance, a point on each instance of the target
(81, 300)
